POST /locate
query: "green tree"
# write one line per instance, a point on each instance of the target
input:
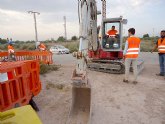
(3, 41)
(61, 39)
(74, 38)
(146, 36)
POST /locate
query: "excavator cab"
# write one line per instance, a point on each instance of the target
(112, 33)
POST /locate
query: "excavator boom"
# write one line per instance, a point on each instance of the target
(81, 89)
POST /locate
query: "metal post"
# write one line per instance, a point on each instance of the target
(35, 26)
(65, 33)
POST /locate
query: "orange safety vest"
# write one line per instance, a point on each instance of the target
(133, 47)
(42, 47)
(112, 33)
(161, 45)
(10, 49)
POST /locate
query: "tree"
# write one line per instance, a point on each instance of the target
(3, 41)
(61, 39)
(74, 38)
(146, 36)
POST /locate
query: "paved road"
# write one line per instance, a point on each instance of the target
(64, 59)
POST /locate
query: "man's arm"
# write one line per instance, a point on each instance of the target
(155, 47)
(126, 48)
(139, 49)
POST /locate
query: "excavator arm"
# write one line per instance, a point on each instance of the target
(88, 38)
(81, 89)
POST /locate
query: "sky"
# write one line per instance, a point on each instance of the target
(145, 16)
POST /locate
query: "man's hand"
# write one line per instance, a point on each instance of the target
(152, 51)
(106, 36)
(156, 46)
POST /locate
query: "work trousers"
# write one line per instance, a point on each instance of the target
(111, 41)
(162, 63)
(128, 62)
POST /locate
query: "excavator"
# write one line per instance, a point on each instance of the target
(96, 52)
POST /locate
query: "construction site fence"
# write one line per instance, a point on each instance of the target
(43, 56)
(19, 82)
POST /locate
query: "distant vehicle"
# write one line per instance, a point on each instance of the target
(59, 49)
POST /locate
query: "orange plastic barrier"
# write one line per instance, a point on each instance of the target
(19, 82)
(42, 56)
(14, 85)
(35, 83)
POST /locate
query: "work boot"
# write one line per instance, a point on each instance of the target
(160, 74)
(126, 81)
(134, 82)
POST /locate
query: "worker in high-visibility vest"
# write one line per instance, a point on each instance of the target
(10, 48)
(11, 52)
(131, 53)
(160, 45)
(41, 46)
(112, 32)
(111, 37)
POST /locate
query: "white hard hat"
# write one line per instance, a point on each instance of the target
(38, 43)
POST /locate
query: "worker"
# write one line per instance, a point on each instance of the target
(11, 52)
(10, 48)
(41, 46)
(131, 52)
(9, 41)
(112, 32)
(111, 37)
(160, 45)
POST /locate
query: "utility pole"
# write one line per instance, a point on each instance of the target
(154, 34)
(103, 9)
(35, 25)
(65, 33)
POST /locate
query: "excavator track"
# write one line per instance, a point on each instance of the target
(107, 66)
(112, 66)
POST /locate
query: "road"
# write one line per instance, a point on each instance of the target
(64, 59)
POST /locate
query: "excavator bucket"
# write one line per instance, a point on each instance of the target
(81, 101)
(80, 110)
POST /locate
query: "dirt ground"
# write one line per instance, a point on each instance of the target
(113, 102)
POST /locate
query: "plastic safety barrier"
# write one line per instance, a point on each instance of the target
(14, 85)
(19, 82)
(21, 115)
(42, 56)
(35, 83)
